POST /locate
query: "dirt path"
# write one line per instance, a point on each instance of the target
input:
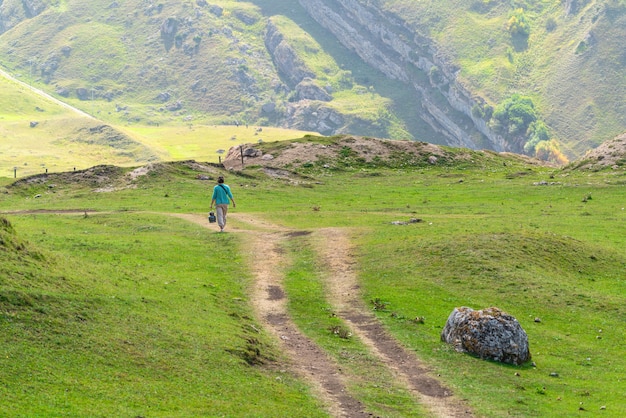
(269, 301)
(267, 258)
(44, 94)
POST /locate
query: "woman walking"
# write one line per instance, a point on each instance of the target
(221, 198)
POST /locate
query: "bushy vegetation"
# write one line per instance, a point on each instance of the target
(538, 61)
(515, 115)
(518, 24)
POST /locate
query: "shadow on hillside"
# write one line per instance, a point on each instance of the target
(520, 42)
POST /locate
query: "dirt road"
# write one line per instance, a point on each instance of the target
(267, 257)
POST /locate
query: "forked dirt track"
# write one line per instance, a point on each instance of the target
(308, 360)
(268, 260)
(269, 301)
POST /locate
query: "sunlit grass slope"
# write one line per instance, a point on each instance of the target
(62, 139)
(37, 133)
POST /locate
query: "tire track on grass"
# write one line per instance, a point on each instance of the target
(309, 360)
(337, 254)
(341, 280)
(270, 303)
(267, 259)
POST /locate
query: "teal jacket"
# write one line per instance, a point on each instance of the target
(221, 193)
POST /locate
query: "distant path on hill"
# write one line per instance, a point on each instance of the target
(44, 94)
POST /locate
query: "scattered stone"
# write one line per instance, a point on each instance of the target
(172, 107)
(545, 183)
(537, 319)
(554, 374)
(82, 93)
(308, 90)
(252, 152)
(269, 107)
(410, 221)
(490, 334)
(216, 10)
(33, 124)
(164, 96)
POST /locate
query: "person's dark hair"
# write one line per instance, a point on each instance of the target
(220, 179)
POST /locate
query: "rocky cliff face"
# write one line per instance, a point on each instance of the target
(306, 111)
(13, 12)
(390, 45)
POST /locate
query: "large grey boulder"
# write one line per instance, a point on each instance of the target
(489, 334)
(286, 58)
(308, 90)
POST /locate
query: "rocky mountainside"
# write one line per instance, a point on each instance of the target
(470, 74)
(611, 153)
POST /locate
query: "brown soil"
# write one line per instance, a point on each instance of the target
(335, 247)
(298, 153)
(307, 359)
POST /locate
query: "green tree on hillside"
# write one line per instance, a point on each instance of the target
(518, 24)
(517, 118)
(537, 132)
(514, 115)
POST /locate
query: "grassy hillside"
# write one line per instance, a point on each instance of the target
(63, 140)
(119, 294)
(118, 64)
(179, 62)
(125, 319)
(567, 58)
(39, 134)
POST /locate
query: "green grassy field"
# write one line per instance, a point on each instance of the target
(63, 140)
(127, 311)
